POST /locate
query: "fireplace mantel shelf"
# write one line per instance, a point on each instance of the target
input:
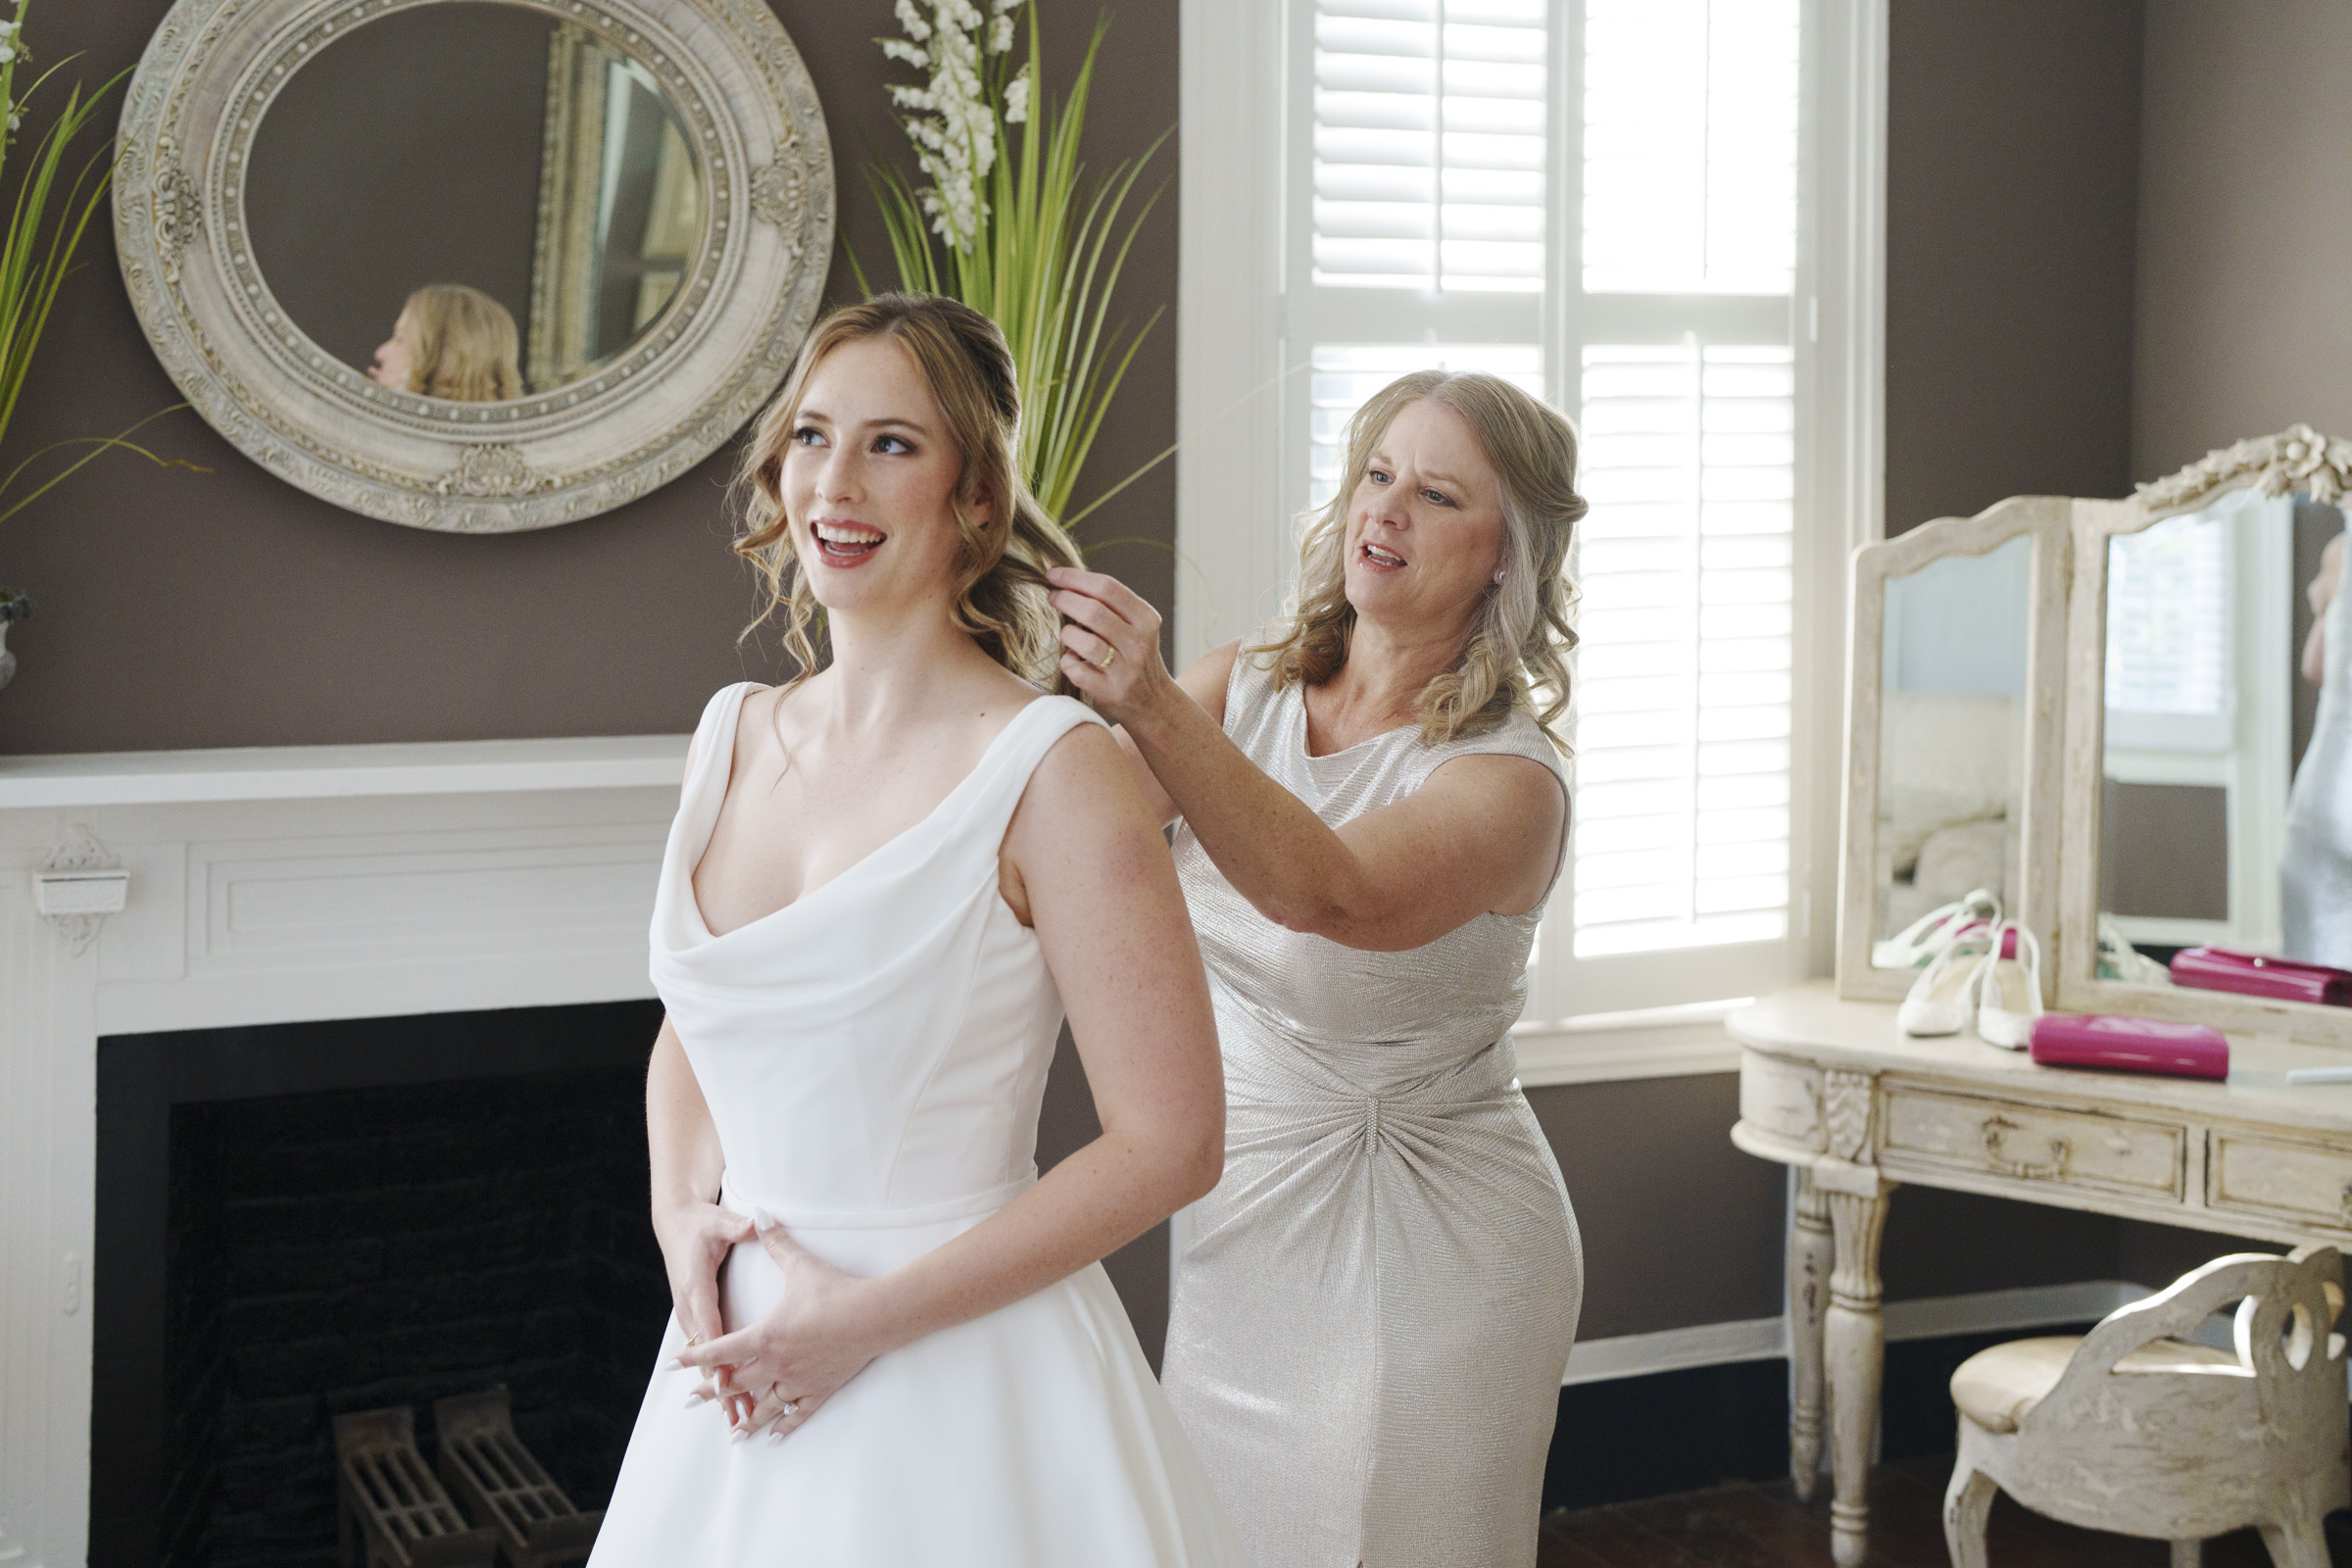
(320, 772)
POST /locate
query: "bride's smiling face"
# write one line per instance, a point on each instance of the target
(868, 479)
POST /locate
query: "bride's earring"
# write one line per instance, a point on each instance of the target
(1499, 575)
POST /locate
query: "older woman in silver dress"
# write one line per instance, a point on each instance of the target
(1371, 1321)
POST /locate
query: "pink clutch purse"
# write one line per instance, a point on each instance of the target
(2257, 974)
(2131, 1045)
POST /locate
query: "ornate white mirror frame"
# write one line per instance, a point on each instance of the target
(2044, 520)
(670, 400)
(2297, 460)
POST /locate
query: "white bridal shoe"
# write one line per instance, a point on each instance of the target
(2118, 960)
(2009, 989)
(1925, 939)
(1944, 997)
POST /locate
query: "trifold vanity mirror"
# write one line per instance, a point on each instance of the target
(2095, 711)
(1951, 729)
(475, 265)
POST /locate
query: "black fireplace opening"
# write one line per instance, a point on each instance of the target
(298, 1221)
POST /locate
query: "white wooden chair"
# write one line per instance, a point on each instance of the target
(2130, 1429)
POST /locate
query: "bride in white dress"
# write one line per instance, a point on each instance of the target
(893, 1343)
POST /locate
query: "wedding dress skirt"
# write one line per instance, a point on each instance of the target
(874, 1055)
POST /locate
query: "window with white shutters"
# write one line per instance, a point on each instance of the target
(1429, 144)
(1599, 200)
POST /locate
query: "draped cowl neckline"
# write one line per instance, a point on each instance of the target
(699, 787)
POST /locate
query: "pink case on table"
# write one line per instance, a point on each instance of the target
(2259, 974)
(2132, 1044)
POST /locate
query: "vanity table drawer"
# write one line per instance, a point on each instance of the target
(2278, 1178)
(2034, 1143)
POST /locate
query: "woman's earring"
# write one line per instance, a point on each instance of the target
(1499, 577)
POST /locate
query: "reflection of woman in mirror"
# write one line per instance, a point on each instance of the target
(2315, 878)
(2320, 591)
(452, 342)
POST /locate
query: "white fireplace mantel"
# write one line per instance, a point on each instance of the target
(190, 890)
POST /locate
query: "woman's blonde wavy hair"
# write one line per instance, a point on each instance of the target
(467, 350)
(1516, 656)
(1001, 588)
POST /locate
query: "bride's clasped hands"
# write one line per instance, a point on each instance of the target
(772, 1375)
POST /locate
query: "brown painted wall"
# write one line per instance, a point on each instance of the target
(2012, 173)
(227, 608)
(1679, 1226)
(2244, 322)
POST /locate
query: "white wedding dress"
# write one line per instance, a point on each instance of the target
(874, 1055)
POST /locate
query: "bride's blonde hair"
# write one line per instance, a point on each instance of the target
(1001, 588)
(1516, 656)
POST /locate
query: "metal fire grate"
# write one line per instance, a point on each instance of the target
(503, 1487)
(394, 1513)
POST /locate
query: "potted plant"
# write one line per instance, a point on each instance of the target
(43, 230)
(1010, 225)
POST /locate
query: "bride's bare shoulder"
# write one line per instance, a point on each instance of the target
(1083, 792)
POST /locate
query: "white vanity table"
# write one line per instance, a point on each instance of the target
(2085, 676)
(1832, 1087)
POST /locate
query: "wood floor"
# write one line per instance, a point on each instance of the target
(1751, 1525)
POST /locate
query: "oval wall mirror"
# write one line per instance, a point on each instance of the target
(477, 266)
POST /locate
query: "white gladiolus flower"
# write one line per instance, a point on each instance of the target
(950, 121)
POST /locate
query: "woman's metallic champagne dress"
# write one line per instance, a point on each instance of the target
(1372, 1319)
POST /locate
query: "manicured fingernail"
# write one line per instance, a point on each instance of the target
(673, 1364)
(764, 1219)
(776, 1437)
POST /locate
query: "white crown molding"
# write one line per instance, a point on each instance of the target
(321, 772)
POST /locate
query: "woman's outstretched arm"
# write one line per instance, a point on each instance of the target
(1085, 865)
(1482, 835)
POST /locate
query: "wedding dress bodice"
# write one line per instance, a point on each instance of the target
(897, 1020)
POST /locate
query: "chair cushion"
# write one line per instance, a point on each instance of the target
(1996, 1388)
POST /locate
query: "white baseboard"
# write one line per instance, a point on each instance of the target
(1633, 1355)
(1765, 1339)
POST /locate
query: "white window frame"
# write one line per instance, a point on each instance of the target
(1241, 462)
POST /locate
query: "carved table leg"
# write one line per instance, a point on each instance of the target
(1811, 1252)
(1855, 1342)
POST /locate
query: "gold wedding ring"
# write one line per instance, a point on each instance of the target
(692, 1338)
(1111, 656)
